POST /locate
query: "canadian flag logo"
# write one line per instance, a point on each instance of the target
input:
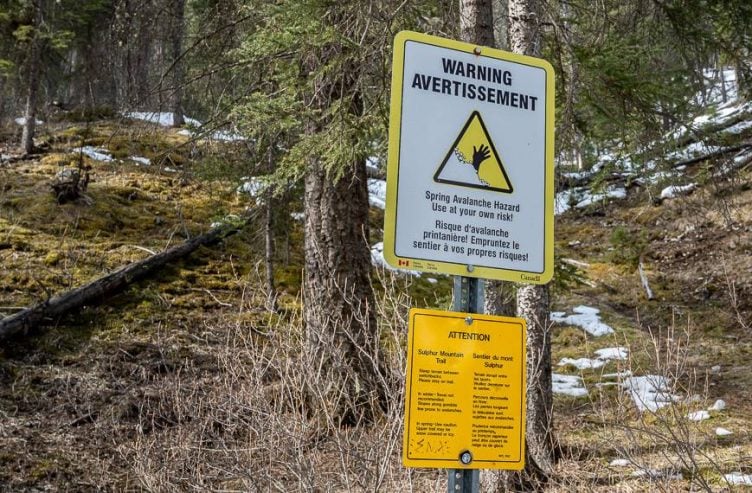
(401, 262)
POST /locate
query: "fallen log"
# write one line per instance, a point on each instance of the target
(109, 284)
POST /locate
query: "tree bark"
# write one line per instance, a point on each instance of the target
(476, 22)
(32, 81)
(540, 450)
(105, 286)
(533, 305)
(339, 304)
(178, 67)
(271, 290)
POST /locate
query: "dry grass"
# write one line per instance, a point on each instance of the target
(185, 382)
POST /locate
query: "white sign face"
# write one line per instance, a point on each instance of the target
(470, 175)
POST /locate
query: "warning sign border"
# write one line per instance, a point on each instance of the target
(395, 130)
(495, 153)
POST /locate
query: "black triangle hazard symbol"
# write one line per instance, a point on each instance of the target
(472, 161)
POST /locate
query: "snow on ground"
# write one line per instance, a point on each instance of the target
(618, 353)
(619, 463)
(698, 416)
(725, 78)
(165, 119)
(377, 193)
(584, 317)
(253, 186)
(570, 385)
(739, 127)
(226, 136)
(141, 160)
(737, 478)
(604, 355)
(297, 216)
(21, 120)
(372, 163)
(582, 363)
(668, 474)
(649, 392)
(95, 153)
(676, 190)
(582, 197)
(723, 432)
(718, 405)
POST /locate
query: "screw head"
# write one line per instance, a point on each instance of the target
(466, 457)
(468, 320)
(476, 50)
(470, 268)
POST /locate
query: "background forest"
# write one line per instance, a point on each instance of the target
(224, 160)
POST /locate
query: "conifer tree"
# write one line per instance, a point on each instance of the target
(317, 77)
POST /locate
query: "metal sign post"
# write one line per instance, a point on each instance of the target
(467, 297)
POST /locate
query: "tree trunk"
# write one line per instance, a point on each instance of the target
(339, 301)
(178, 67)
(271, 290)
(476, 22)
(533, 305)
(32, 82)
(540, 452)
(501, 24)
(339, 304)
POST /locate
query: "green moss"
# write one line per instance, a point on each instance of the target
(52, 258)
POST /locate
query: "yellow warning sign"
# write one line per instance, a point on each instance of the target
(473, 160)
(465, 391)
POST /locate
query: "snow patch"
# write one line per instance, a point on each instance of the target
(141, 160)
(570, 385)
(657, 474)
(226, 136)
(739, 127)
(582, 363)
(165, 119)
(252, 186)
(584, 317)
(377, 193)
(372, 163)
(21, 120)
(723, 432)
(582, 197)
(718, 405)
(618, 353)
(619, 463)
(737, 478)
(162, 118)
(698, 415)
(95, 153)
(297, 216)
(649, 392)
(677, 190)
(604, 355)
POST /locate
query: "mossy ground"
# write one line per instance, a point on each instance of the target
(80, 396)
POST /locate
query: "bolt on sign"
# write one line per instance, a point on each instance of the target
(470, 187)
(465, 391)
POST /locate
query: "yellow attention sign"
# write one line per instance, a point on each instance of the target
(465, 391)
(473, 160)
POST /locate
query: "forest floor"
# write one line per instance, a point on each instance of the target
(184, 381)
